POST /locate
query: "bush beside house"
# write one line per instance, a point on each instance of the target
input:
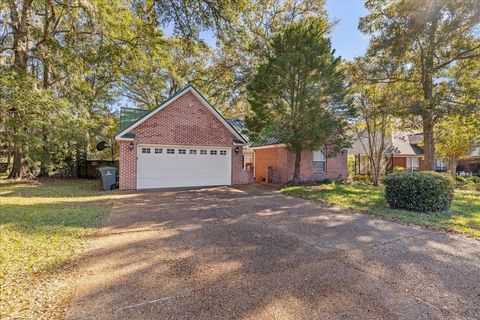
(419, 191)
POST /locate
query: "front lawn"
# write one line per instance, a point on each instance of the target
(42, 227)
(464, 218)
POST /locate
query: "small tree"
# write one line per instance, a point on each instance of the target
(374, 116)
(296, 93)
(456, 136)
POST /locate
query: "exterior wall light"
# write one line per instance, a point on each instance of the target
(130, 146)
(237, 150)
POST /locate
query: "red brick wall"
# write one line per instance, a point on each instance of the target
(127, 166)
(422, 164)
(240, 176)
(274, 156)
(283, 161)
(465, 163)
(186, 121)
(336, 167)
(400, 162)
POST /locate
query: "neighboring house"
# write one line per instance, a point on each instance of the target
(183, 142)
(186, 142)
(470, 164)
(402, 152)
(273, 162)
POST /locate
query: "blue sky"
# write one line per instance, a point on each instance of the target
(346, 38)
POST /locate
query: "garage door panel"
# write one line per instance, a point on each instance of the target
(161, 170)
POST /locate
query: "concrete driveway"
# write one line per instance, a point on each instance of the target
(252, 253)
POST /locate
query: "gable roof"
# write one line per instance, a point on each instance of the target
(130, 125)
(399, 143)
(406, 144)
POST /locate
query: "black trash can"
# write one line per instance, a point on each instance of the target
(108, 177)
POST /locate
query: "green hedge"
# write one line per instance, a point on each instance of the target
(419, 191)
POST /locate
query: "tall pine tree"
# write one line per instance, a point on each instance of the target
(297, 92)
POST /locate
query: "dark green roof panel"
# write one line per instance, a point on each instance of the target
(266, 140)
(129, 135)
(129, 116)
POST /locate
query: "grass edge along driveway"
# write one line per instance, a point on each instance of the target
(463, 218)
(43, 226)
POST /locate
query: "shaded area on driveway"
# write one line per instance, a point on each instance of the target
(251, 253)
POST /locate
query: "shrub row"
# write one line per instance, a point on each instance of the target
(468, 182)
(419, 191)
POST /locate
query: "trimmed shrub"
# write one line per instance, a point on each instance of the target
(468, 182)
(422, 191)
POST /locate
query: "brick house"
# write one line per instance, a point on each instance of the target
(470, 164)
(273, 162)
(402, 151)
(186, 142)
(183, 142)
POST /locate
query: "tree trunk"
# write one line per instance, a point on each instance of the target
(452, 167)
(9, 158)
(375, 164)
(429, 103)
(20, 46)
(45, 161)
(428, 141)
(19, 167)
(45, 155)
(296, 171)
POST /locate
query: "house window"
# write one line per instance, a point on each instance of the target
(319, 163)
(413, 163)
(182, 151)
(145, 150)
(157, 150)
(193, 152)
(247, 160)
(213, 152)
(223, 152)
(203, 151)
(440, 164)
(170, 151)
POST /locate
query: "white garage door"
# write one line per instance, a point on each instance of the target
(168, 166)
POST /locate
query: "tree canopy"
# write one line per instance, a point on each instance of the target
(424, 45)
(85, 57)
(73, 63)
(456, 136)
(297, 93)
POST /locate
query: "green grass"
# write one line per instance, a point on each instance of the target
(463, 218)
(42, 227)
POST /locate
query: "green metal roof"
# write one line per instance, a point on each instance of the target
(265, 141)
(129, 116)
(129, 135)
(239, 126)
